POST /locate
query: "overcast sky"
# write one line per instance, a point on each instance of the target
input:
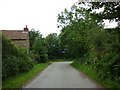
(38, 14)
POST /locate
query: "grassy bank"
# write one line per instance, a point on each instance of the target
(61, 60)
(108, 83)
(18, 80)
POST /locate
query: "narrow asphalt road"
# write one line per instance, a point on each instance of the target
(61, 75)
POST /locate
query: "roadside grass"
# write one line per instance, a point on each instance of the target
(22, 78)
(61, 60)
(93, 74)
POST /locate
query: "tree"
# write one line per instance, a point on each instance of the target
(38, 46)
(75, 24)
(40, 50)
(54, 49)
(85, 38)
(111, 10)
(33, 35)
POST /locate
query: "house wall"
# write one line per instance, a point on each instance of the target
(22, 43)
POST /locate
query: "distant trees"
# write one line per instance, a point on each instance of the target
(38, 47)
(54, 50)
(33, 35)
(73, 34)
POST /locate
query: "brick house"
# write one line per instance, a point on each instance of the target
(19, 37)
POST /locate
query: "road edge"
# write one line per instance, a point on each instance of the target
(34, 77)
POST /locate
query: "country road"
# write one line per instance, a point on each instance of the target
(61, 75)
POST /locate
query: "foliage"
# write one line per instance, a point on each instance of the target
(32, 36)
(54, 48)
(88, 70)
(85, 38)
(38, 47)
(62, 60)
(111, 10)
(14, 59)
(20, 79)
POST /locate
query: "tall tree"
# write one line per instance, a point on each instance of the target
(38, 46)
(74, 24)
(54, 49)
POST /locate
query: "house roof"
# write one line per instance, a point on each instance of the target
(15, 34)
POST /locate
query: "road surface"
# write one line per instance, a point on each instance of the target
(61, 75)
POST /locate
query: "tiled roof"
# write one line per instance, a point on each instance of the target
(15, 34)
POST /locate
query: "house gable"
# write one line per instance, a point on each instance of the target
(19, 37)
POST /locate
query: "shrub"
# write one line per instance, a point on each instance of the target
(15, 60)
(44, 58)
(10, 66)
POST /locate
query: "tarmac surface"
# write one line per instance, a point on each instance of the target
(62, 75)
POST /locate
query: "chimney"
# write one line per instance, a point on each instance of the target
(26, 29)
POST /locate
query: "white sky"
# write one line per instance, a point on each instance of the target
(38, 14)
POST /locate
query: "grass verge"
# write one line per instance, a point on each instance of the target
(93, 74)
(20, 79)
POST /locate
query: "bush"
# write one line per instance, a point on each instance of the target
(10, 66)
(15, 60)
(25, 65)
(111, 65)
